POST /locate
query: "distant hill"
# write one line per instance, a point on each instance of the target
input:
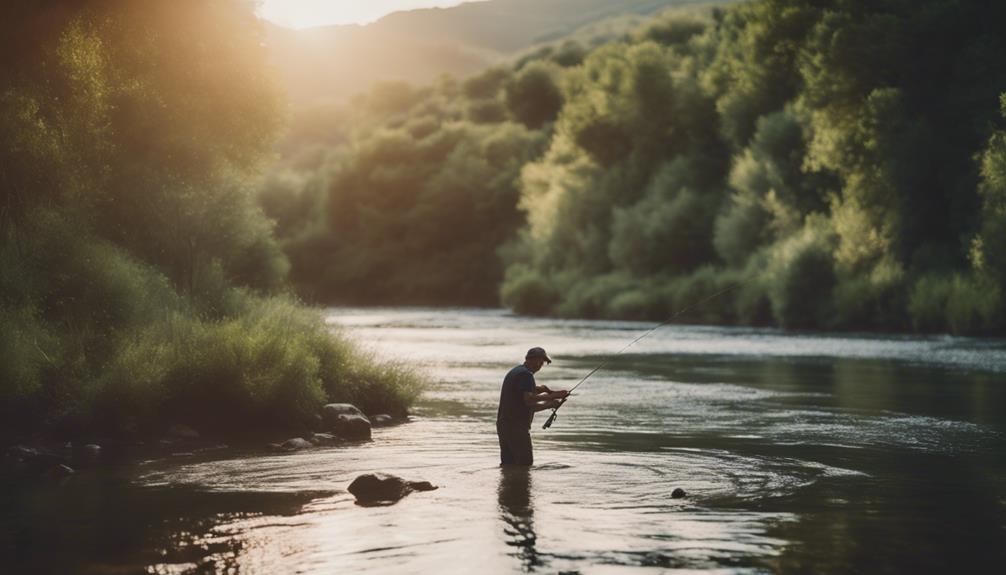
(332, 63)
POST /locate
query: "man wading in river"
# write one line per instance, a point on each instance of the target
(520, 397)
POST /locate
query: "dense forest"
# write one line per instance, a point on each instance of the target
(140, 283)
(842, 163)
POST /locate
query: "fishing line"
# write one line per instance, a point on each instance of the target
(551, 418)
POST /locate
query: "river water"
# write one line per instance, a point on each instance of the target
(800, 453)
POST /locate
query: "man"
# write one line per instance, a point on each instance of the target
(520, 397)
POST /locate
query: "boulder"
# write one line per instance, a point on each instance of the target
(381, 419)
(323, 439)
(179, 431)
(352, 427)
(92, 450)
(678, 493)
(295, 444)
(332, 411)
(384, 489)
(59, 472)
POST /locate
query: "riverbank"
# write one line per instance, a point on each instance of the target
(269, 366)
(50, 458)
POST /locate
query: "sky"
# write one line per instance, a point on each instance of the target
(308, 13)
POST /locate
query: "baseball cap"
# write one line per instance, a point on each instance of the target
(535, 352)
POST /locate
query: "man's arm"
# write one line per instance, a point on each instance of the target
(543, 401)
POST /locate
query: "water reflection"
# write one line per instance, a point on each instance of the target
(517, 512)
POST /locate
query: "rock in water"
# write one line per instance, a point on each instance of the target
(323, 439)
(331, 412)
(59, 472)
(352, 427)
(678, 493)
(381, 419)
(296, 443)
(384, 489)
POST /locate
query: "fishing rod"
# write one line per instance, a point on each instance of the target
(551, 418)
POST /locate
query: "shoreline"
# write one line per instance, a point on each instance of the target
(47, 456)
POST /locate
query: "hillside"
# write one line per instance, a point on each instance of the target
(333, 63)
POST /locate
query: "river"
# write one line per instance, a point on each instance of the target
(800, 453)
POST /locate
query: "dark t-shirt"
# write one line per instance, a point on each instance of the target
(513, 412)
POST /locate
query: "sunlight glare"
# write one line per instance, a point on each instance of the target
(309, 13)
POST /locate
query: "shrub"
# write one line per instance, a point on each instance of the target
(27, 351)
(752, 304)
(591, 297)
(956, 303)
(526, 292)
(803, 276)
(740, 228)
(269, 368)
(927, 303)
(641, 303)
(690, 295)
(661, 234)
(372, 385)
(872, 300)
(975, 305)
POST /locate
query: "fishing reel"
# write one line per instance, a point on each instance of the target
(555, 413)
(551, 418)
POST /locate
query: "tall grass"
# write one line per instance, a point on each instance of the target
(271, 367)
(102, 342)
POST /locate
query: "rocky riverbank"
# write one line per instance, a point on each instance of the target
(53, 458)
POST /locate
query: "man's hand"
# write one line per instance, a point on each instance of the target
(546, 400)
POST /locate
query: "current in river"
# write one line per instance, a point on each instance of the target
(800, 453)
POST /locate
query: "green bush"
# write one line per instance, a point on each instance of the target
(690, 295)
(956, 303)
(640, 304)
(740, 228)
(802, 269)
(927, 304)
(274, 367)
(27, 351)
(375, 386)
(270, 368)
(975, 305)
(132, 388)
(526, 292)
(661, 235)
(593, 297)
(870, 301)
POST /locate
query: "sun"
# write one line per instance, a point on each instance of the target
(310, 13)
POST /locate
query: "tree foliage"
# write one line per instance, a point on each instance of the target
(137, 267)
(841, 159)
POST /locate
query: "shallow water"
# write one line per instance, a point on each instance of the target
(801, 453)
